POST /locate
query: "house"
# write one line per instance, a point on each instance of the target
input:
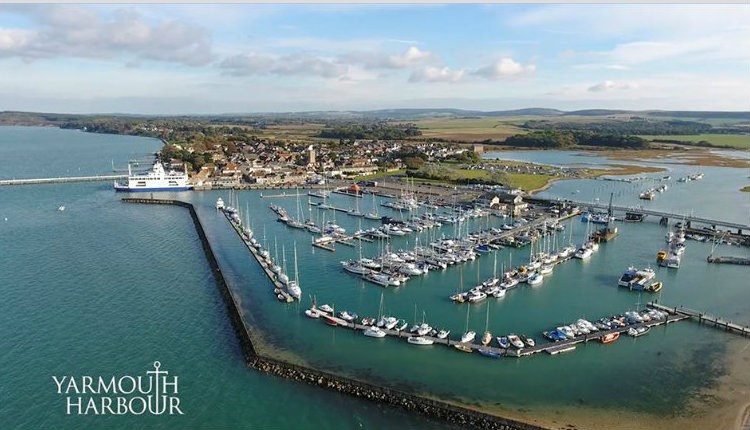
(513, 203)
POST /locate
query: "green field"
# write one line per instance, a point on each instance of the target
(739, 141)
(470, 129)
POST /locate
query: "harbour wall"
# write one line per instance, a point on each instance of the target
(410, 402)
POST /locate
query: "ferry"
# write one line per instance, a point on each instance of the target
(157, 179)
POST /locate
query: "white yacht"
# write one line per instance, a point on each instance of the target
(374, 331)
(219, 204)
(419, 340)
(468, 336)
(583, 253)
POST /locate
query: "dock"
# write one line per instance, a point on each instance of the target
(742, 261)
(703, 317)
(552, 348)
(281, 195)
(266, 269)
(35, 181)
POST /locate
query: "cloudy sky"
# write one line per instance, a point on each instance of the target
(173, 59)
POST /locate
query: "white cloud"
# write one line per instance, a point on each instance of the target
(285, 65)
(436, 74)
(610, 85)
(80, 32)
(412, 56)
(505, 67)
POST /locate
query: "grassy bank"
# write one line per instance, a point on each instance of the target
(739, 141)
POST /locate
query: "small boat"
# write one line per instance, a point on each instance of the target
(419, 340)
(503, 342)
(374, 332)
(326, 308)
(219, 204)
(489, 353)
(463, 347)
(468, 336)
(486, 338)
(661, 255)
(515, 341)
(655, 287)
(312, 313)
(583, 253)
(329, 320)
(527, 341)
(535, 279)
(443, 334)
(368, 321)
(61, 208)
(638, 331)
(347, 316)
(609, 337)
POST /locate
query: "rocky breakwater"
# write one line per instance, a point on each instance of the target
(409, 402)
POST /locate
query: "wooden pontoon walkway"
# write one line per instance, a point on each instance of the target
(702, 317)
(551, 348)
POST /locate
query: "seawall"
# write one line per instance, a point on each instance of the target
(410, 402)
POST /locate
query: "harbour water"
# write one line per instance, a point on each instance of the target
(105, 287)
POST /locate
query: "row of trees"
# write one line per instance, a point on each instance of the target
(634, 126)
(566, 139)
(376, 131)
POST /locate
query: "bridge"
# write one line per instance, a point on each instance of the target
(666, 215)
(35, 181)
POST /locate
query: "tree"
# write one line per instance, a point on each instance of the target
(413, 163)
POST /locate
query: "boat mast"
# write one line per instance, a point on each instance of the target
(296, 273)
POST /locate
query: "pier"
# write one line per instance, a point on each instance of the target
(703, 317)
(742, 261)
(661, 214)
(59, 180)
(551, 348)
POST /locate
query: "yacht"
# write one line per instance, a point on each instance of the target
(583, 253)
(638, 331)
(535, 279)
(546, 269)
(468, 336)
(219, 204)
(527, 341)
(503, 342)
(355, 267)
(419, 340)
(326, 309)
(374, 331)
(312, 313)
(515, 341)
(443, 334)
(424, 329)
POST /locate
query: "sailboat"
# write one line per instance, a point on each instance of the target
(460, 296)
(373, 214)
(469, 335)
(283, 277)
(293, 286)
(487, 337)
(374, 330)
(313, 312)
(355, 211)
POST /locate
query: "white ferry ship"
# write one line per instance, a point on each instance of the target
(156, 179)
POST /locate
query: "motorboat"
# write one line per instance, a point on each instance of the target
(374, 331)
(326, 308)
(443, 334)
(546, 269)
(583, 253)
(610, 337)
(503, 342)
(419, 340)
(527, 341)
(535, 279)
(638, 331)
(477, 297)
(468, 337)
(347, 316)
(312, 313)
(423, 329)
(463, 347)
(486, 338)
(515, 341)
(220, 204)
(489, 353)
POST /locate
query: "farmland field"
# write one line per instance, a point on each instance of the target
(739, 141)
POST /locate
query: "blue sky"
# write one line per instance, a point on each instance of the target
(175, 59)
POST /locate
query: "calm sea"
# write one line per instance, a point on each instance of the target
(107, 288)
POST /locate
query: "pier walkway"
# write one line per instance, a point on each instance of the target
(35, 181)
(657, 213)
(702, 317)
(551, 348)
